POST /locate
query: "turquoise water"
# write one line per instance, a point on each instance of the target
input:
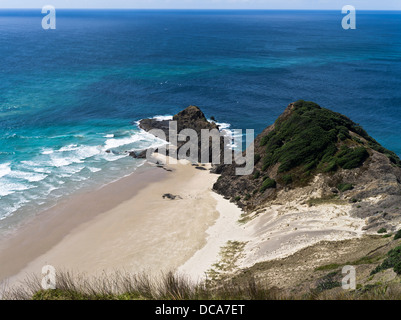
(68, 95)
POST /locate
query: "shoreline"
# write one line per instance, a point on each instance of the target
(129, 226)
(41, 232)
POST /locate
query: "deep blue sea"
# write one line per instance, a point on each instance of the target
(68, 95)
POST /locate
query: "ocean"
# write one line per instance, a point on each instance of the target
(68, 95)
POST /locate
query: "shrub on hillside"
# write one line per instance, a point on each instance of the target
(344, 187)
(268, 183)
(393, 260)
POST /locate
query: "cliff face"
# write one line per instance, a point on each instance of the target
(313, 151)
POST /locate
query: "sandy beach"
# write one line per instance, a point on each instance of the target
(126, 225)
(129, 226)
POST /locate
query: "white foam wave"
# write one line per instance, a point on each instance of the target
(76, 155)
(29, 163)
(47, 151)
(68, 171)
(142, 139)
(113, 157)
(68, 148)
(162, 118)
(8, 187)
(63, 162)
(115, 143)
(5, 169)
(50, 189)
(9, 210)
(29, 176)
(41, 170)
(223, 125)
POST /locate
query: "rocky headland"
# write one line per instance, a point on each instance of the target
(316, 156)
(322, 191)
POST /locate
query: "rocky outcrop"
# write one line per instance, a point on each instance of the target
(189, 118)
(322, 154)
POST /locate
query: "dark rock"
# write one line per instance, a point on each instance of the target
(171, 196)
(190, 118)
(200, 168)
(137, 154)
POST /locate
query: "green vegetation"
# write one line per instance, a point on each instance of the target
(245, 217)
(256, 175)
(229, 255)
(344, 187)
(328, 282)
(363, 260)
(287, 179)
(393, 260)
(397, 235)
(237, 198)
(382, 230)
(312, 138)
(125, 286)
(333, 199)
(327, 267)
(170, 286)
(267, 184)
(351, 158)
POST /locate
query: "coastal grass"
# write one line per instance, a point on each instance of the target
(363, 260)
(331, 199)
(229, 282)
(326, 267)
(126, 286)
(169, 286)
(229, 255)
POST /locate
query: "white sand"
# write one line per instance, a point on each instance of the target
(143, 233)
(277, 232)
(148, 233)
(225, 228)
